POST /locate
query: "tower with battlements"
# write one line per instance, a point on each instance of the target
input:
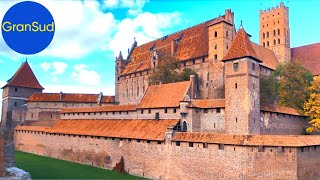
(275, 31)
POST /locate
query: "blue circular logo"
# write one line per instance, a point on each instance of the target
(28, 27)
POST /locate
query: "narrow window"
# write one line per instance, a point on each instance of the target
(236, 120)
(215, 57)
(264, 44)
(253, 67)
(215, 34)
(235, 66)
(190, 144)
(274, 42)
(205, 145)
(236, 85)
(215, 47)
(165, 110)
(142, 111)
(268, 43)
(15, 89)
(227, 33)
(274, 32)
(218, 110)
(267, 34)
(149, 111)
(278, 31)
(278, 41)
(174, 110)
(177, 143)
(264, 35)
(15, 104)
(193, 61)
(221, 146)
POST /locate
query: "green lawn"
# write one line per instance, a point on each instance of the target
(41, 167)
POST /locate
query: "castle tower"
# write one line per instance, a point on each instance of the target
(275, 31)
(16, 92)
(221, 35)
(242, 90)
(120, 65)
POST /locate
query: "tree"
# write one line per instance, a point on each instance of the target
(312, 106)
(268, 90)
(168, 71)
(292, 87)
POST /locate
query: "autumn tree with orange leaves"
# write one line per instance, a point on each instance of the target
(312, 106)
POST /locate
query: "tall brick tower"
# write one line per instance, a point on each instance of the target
(120, 65)
(17, 90)
(242, 87)
(275, 31)
(221, 35)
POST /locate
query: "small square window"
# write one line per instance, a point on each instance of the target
(218, 110)
(221, 146)
(177, 143)
(141, 111)
(174, 110)
(215, 57)
(190, 144)
(235, 66)
(15, 89)
(205, 110)
(205, 145)
(165, 110)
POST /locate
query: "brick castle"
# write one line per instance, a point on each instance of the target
(211, 128)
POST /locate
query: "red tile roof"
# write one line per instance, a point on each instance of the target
(210, 103)
(194, 43)
(66, 97)
(127, 107)
(241, 47)
(24, 77)
(308, 56)
(279, 109)
(266, 55)
(164, 95)
(136, 129)
(250, 140)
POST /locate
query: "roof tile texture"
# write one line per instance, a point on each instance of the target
(308, 56)
(55, 97)
(253, 140)
(241, 47)
(24, 77)
(210, 103)
(136, 129)
(279, 109)
(164, 95)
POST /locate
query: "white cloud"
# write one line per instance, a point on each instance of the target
(85, 76)
(87, 29)
(45, 66)
(145, 27)
(59, 67)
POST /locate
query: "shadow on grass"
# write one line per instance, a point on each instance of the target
(41, 167)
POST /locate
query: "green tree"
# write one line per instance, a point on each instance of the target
(168, 71)
(292, 87)
(312, 106)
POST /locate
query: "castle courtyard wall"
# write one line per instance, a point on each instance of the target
(277, 123)
(170, 160)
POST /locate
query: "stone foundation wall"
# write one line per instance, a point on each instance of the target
(171, 160)
(1, 155)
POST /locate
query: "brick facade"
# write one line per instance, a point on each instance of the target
(169, 160)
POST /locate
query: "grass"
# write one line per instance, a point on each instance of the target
(41, 167)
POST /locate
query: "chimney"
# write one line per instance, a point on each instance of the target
(192, 86)
(173, 47)
(99, 98)
(229, 16)
(61, 95)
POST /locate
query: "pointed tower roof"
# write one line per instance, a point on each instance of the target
(24, 77)
(241, 47)
(120, 56)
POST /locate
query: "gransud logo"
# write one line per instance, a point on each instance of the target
(28, 27)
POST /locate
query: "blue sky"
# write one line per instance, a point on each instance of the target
(89, 34)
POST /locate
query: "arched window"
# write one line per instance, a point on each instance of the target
(274, 32)
(215, 34)
(264, 44)
(215, 47)
(274, 42)
(267, 43)
(264, 35)
(278, 41)
(207, 76)
(184, 126)
(267, 34)
(278, 31)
